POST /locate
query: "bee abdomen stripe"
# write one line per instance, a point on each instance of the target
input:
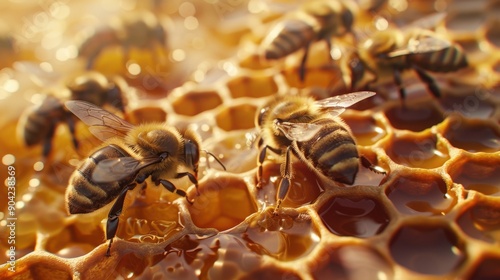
(335, 156)
(88, 189)
(328, 142)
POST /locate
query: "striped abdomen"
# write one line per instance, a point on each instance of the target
(446, 60)
(42, 120)
(332, 151)
(83, 194)
(288, 37)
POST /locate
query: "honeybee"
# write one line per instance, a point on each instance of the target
(38, 124)
(128, 157)
(390, 52)
(314, 21)
(312, 132)
(137, 30)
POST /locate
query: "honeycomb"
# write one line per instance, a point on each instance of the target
(435, 214)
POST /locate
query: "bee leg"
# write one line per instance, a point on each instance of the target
(169, 186)
(366, 163)
(262, 157)
(191, 177)
(429, 81)
(71, 125)
(302, 68)
(47, 144)
(399, 82)
(285, 180)
(113, 216)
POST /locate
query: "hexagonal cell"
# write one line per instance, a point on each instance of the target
(492, 33)
(420, 194)
(486, 269)
(482, 221)
(146, 114)
(224, 202)
(236, 117)
(414, 117)
(424, 249)
(315, 77)
(418, 150)
(303, 190)
(367, 131)
(354, 216)
(196, 101)
(255, 85)
(478, 173)
(473, 135)
(351, 262)
(471, 103)
(281, 236)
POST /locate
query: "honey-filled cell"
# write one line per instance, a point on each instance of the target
(414, 117)
(431, 250)
(194, 102)
(418, 150)
(236, 117)
(147, 114)
(420, 194)
(318, 77)
(479, 173)
(223, 202)
(361, 217)
(473, 135)
(336, 262)
(282, 236)
(486, 268)
(469, 102)
(482, 220)
(255, 85)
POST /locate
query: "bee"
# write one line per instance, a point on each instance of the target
(38, 124)
(137, 30)
(392, 51)
(130, 154)
(314, 21)
(312, 132)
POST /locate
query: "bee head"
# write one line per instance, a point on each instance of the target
(192, 154)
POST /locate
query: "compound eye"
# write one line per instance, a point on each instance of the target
(259, 120)
(192, 153)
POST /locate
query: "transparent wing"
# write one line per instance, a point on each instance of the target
(102, 123)
(114, 169)
(336, 105)
(298, 131)
(427, 22)
(421, 45)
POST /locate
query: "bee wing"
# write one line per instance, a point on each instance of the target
(336, 105)
(427, 22)
(114, 169)
(298, 131)
(102, 123)
(421, 45)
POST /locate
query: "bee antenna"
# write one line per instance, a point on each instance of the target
(218, 160)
